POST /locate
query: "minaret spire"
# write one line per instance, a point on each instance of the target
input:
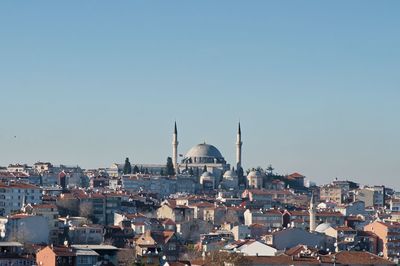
(175, 148)
(239, 147)
(312, 212)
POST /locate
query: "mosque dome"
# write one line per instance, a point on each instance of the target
(204, 153)
(254, 174)
(323, 227)
(229, 180)
(206, 176)
(230, 175)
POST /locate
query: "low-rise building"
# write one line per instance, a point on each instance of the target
(13, 196)
(177, 213)
(86, 234)
(270, 218)
(388, 238)
(291, 237)
(250, 247)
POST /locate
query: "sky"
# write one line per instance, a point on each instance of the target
(315, 84)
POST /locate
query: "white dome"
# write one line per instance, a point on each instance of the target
(206, 176)
(229, 175)
(203, 153)
(254, 174)
(204, 150)
(323, 227)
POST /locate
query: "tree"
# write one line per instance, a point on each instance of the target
(223, 258)
(135, 169)
(127, 167)
(205, 168)
(270, 170)
(126, 256)
(240, 175)
(86, 210)
(170, 167)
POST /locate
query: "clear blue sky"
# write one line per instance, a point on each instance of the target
(315, 83)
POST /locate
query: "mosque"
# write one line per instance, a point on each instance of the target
(207, 157)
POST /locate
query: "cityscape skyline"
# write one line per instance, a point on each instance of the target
(314, 85)
(208, 133)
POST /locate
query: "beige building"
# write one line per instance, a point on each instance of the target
(331, 193)
(50, 213)
(388, 238)
(177, 213)
(255, 180)
(372, 196)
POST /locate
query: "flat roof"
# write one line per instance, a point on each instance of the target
(95, 247)
(86, 252)
(10, 244)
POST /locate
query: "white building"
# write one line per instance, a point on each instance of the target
(251, 248)
(25, 228)
(270, 218)
(14, 195)
(20, 168)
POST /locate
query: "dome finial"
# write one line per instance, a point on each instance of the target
(175, 129)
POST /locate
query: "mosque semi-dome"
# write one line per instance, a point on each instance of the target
(229, 175)
(321, 228)
(207, 176)
(254, 174)
(204, 153)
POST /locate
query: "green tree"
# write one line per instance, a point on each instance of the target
(135, 169)
(241, 177)
(127, 167)
(205, 168)
(170, 167)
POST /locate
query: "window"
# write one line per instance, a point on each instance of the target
(83, 259)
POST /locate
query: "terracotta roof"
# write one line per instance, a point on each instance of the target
(255, 225)
(299, 213)
(298, 249)
(44, 206)
(390, 225)
(18, 185)
(282, 260)
(202, 204)
(162, 237)
(342, 258)
(20, 216)
(269, 191)
(344, 228)
(168, 222)
(356, 257)
(62, 251)
(327, 213)
(296, 176)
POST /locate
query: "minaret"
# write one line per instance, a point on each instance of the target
(312, 212)
(239, 148)
(175, 148)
